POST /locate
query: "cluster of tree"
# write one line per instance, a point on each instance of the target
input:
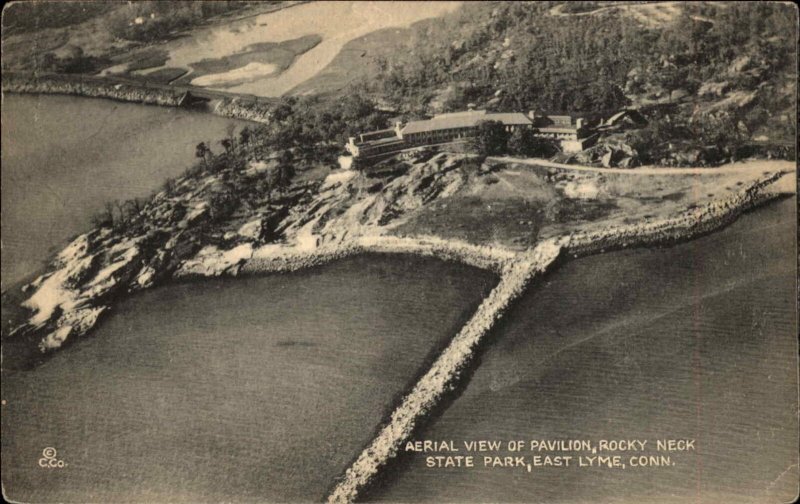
(581, 63)
(149, 21)
(237, 151)
(74, 60)
(551, 63)
(119, 214)
(315, 124)
(20, 17)
(301, 132)
(279, 178)
(492, 139)
(231, 189)
(516, 56)
(714, 137)
(579, 6)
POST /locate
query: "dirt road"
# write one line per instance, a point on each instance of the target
(756, 165)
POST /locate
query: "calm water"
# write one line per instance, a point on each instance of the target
(248, 389)
(696, 341)
(64, 157)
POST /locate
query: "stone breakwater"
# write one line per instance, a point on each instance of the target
(445, 371)
(684, 226)
(516, 275)
(92, 88)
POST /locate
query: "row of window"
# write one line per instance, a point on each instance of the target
(369, 149)
(573, 136)
(446, 133)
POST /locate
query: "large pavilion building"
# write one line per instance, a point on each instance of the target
(458, 126)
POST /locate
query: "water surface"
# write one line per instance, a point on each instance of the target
(64, 157)
(255, 389)
(696, 341)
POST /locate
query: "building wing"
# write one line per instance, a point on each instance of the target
(468, 119)
(510, 118)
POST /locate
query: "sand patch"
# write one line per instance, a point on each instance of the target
(334, 23)
(247, 73)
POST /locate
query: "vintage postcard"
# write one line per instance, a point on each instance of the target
(413, 252)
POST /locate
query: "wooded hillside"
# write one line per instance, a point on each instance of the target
(709, 73)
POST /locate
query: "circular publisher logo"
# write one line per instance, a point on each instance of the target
(49, 460)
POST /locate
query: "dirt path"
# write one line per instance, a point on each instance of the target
(651, 14)
(751, 166)
(558, 10)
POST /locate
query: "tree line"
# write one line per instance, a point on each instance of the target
(492, 139)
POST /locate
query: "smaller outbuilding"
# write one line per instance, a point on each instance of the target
(624, 119)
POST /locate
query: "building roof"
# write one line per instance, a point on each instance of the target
(615, 117)
(509, 118)
(632, 114)
(377, 133)
(466, 119)
(463, 113)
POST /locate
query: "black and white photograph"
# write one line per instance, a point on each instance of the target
(412, 252)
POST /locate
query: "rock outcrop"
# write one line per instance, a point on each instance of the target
(179, 233)
(239, 109)
(609, 153)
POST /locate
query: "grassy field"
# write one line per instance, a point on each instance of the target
(510, 207)
(150, 57)
(472, 219)
(160, 76)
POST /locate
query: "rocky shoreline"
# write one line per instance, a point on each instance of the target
(235, 108)
(271, 259)
(685, 226)
(98, 267)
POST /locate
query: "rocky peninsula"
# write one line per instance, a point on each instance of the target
(194, 228)
(215, 222)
